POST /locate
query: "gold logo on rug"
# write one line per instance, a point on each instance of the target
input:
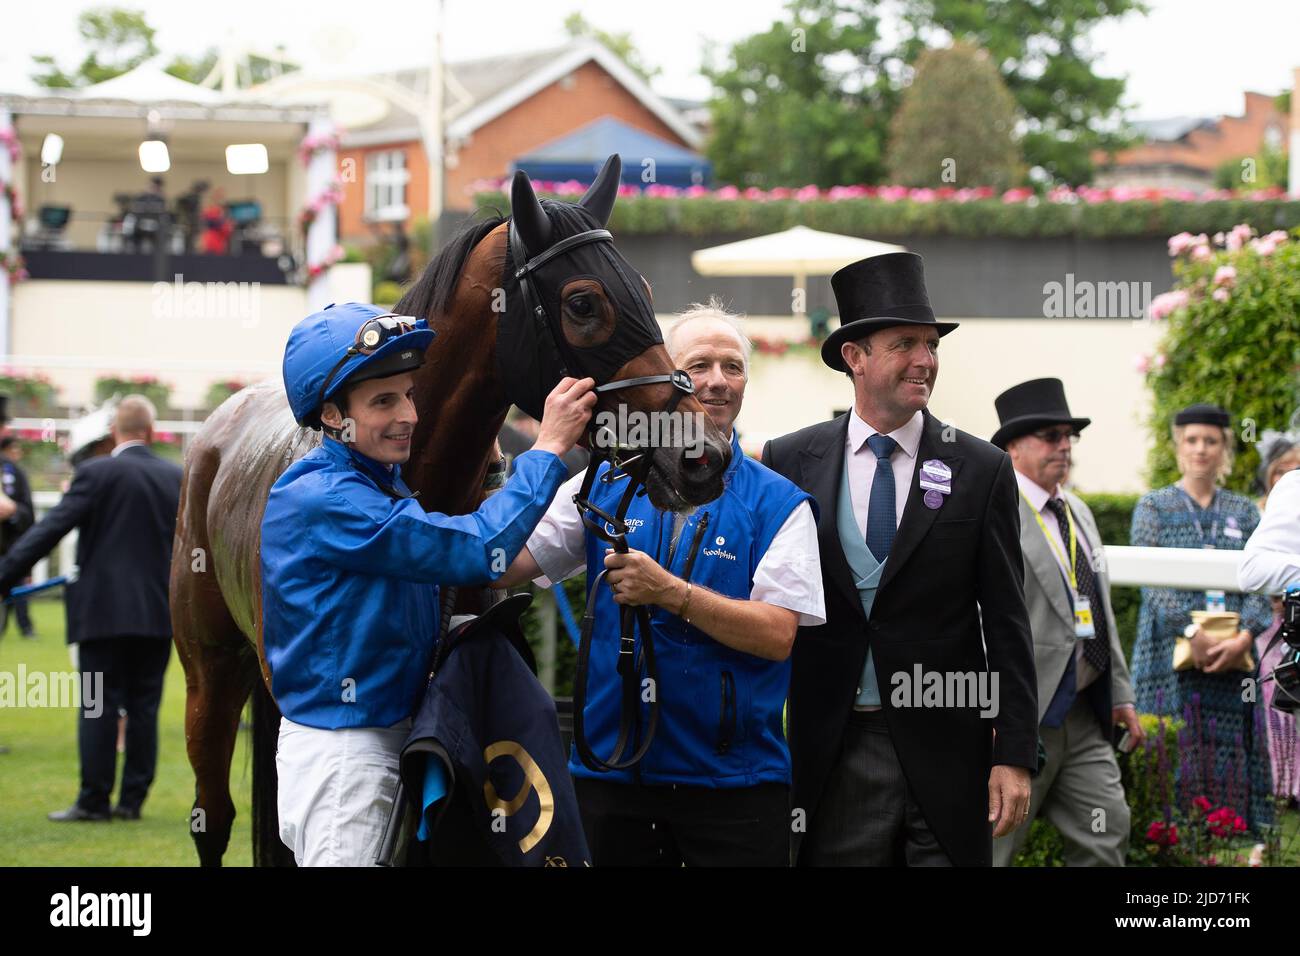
(534, 779)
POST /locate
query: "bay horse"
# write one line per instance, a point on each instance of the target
(463, 392)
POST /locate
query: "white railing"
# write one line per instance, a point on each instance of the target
(1191, 568)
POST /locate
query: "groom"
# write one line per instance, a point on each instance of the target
(913, 711)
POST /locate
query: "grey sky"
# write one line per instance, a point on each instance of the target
(1187, 57)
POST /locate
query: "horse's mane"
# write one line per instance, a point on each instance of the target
(433, 292)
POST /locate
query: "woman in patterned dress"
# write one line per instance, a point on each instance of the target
(1225, 756)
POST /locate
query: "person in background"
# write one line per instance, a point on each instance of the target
(16, 487)
(1279, 454)
(124, 507)
(1084, 688)
(1223, 761)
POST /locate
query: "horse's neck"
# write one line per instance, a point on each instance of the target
(461, 409)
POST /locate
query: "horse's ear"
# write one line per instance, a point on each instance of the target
(599, 199)
(531, 220)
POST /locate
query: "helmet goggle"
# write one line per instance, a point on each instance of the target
(373, 335)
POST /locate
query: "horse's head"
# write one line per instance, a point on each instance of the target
(573, 303)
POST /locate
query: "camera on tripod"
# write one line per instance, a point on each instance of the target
(1286, 697)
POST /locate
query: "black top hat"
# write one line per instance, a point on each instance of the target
(875, 293)
(1028, 406)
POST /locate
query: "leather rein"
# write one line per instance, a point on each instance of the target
(634, 465)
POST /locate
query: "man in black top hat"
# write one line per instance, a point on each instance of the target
(1084, 689)
(913, 717)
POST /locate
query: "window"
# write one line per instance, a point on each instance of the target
(386, 176)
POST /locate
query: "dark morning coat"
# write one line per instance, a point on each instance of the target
(946, 569)
(125, 510)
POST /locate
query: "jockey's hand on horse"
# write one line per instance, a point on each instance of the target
(564, 419)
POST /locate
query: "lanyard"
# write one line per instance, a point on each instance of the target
(1213, 509)
(1069, 517)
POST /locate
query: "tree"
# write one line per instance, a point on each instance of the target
(806, 101)
(956, 124)
(1262, 171)
(119, 40)
(776, 110)
(620, 44)
(193, 69)
(251, 69)
(1041, 49)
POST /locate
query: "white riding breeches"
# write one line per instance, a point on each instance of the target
(336, 790)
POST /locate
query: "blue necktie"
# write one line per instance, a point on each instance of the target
(881, 523)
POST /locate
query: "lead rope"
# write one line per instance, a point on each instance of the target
(613, 530)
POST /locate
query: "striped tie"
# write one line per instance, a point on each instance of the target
(1096, 650)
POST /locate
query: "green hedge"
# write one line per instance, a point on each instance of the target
(878, 218)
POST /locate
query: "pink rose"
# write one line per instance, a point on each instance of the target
(1160, 360)
(1167, 303)
(1179, 244)
(1220, 295)
(1201, 252)
(1142, 363)
(1225, 275)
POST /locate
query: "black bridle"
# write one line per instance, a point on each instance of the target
(634, 465)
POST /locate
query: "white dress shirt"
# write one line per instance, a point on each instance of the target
(1271, 561)
(788, 575)
(861, 463)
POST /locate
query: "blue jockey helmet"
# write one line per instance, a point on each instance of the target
(346, 344)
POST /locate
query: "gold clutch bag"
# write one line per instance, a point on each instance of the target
(1219, 626)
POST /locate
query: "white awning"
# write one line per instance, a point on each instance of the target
(799, 251)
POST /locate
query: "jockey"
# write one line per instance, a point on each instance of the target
(351, 566)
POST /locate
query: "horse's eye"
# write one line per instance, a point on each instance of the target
(581, 306)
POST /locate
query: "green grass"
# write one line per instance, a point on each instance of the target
(40, 774)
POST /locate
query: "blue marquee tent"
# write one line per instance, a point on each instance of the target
(579, 156)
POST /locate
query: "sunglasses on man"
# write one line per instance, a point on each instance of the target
(1053, 436)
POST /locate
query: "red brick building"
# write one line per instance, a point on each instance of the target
(1184, 153)
(496, 109)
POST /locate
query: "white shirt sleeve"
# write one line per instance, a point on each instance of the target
(1271, 561)
(559, 542)
(789, 575)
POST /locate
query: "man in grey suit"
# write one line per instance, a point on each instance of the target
(1083, 682)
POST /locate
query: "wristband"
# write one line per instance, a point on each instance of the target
(686, 604)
